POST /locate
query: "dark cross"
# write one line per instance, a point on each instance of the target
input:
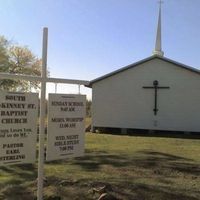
(155, 87)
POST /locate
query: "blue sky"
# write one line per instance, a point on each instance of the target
(89, 38)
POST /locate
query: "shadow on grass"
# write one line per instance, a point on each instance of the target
(165, 170)
(145, 191)
(94, 161)
(17, 192)
(163, 162)
(162, 168)
(168, 162)
(121, 189)
(19, 173)
(13, 188)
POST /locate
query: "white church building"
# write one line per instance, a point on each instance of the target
(155, 93)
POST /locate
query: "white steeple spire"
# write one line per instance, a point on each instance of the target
(158, 45)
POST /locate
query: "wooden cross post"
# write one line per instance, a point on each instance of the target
(155, 87)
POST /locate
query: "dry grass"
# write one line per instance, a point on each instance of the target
(133, 168)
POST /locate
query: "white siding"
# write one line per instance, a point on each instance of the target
(120, 101)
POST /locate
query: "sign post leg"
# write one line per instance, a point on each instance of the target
(42, 116)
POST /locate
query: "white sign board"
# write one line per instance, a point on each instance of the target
(66, 126)
(18, 127)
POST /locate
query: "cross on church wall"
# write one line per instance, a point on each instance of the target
(156, 88)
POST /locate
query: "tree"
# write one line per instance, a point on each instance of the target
(88, 108)
(3, 54)
(18, 60)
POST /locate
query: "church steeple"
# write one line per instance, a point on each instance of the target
(158, 45)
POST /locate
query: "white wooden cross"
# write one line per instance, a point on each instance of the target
(43, 79)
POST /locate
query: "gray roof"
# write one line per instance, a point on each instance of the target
(140, 62)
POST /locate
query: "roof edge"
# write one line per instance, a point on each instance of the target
(140, 62)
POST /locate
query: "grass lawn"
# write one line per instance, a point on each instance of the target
(132, 168)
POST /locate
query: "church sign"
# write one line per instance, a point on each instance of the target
(18, 127)
(19, 120)
(66, 126)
